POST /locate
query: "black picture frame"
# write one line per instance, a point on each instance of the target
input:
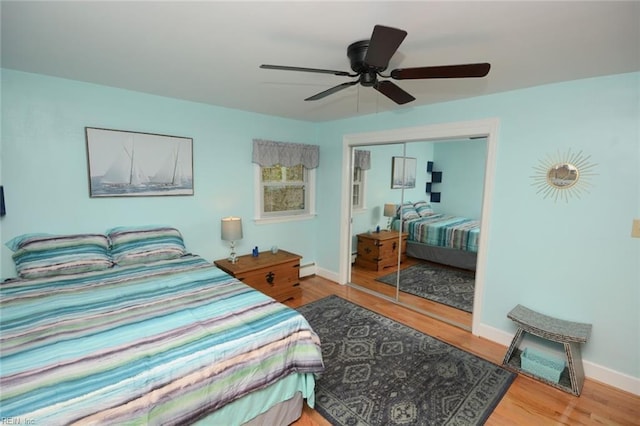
(403, 172)
(3, 207)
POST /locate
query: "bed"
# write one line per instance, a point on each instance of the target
(129, 328)
(441, 238)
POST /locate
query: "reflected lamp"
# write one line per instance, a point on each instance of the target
(389, 211)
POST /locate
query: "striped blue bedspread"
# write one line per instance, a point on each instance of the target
(164, 343)
(445, 231)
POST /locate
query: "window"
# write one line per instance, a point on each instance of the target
(361, 163)
(358, 201)
(284, 180)
(285, 192)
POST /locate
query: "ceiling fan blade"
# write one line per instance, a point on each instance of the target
(317, 70)
(443, 71)
(393, 92)
(383, 44)
(331, 91)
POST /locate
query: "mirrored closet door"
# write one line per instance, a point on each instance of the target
(401, 188)
(376, 246)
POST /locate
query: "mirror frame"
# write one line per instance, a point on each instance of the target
(466, 129)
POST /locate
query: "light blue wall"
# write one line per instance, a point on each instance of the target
(44, 169)
(463, 166)
(423, 152)
(575, 260)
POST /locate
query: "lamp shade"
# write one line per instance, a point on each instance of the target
(231, 228)
(389, 210)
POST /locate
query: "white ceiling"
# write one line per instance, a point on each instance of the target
(210, 51)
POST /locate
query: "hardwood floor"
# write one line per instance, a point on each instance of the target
(367, 279)
(528, 402)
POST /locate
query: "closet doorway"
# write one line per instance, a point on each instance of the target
(409, 147)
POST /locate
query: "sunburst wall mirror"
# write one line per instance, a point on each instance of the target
(563, 175)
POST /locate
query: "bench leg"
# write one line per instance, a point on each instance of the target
(576, 370)
(517, 338)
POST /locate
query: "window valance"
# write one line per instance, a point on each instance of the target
(362, 159)
(269, 153)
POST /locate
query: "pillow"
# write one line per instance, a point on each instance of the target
(46, 255)
(423, 208)
(407, 212)
(141, 244)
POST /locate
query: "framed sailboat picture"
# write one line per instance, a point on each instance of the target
(133, 164)
(403, 172)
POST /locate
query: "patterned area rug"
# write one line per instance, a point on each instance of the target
(452, 287)
(380, 372)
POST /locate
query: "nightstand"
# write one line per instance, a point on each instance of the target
(379, 250)
(276, 275)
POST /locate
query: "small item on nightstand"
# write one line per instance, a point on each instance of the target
(274, 249)
(255, 252)
(378, 229)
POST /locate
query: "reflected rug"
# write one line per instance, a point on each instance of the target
(451, 287)
(381, 372)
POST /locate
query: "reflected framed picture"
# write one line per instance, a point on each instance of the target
(133, 164)
(403, 172)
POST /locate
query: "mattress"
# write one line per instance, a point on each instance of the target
(170, 342)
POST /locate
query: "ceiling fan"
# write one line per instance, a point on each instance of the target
(369, 58)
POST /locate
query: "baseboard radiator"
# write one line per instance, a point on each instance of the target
(308, 269)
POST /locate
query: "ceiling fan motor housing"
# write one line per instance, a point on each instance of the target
(357, 52)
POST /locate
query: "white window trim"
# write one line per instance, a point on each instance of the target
(363, 193)
(257, 184)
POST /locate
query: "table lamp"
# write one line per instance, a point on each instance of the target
(231, 230)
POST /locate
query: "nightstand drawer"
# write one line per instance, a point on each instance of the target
(275, 279)
(276, 275)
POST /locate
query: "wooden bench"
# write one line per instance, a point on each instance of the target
(569, 333)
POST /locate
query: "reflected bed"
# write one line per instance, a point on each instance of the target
(446, 239)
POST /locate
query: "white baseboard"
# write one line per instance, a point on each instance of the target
(312, 269)
(330, 275)
(591, 370)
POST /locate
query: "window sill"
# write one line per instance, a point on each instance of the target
(280, 219)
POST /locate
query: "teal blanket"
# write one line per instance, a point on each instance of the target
(164, 343)
(443, 231)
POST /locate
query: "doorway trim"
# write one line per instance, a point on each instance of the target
(436, 132)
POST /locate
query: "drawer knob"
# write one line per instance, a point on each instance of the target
(270, 277)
